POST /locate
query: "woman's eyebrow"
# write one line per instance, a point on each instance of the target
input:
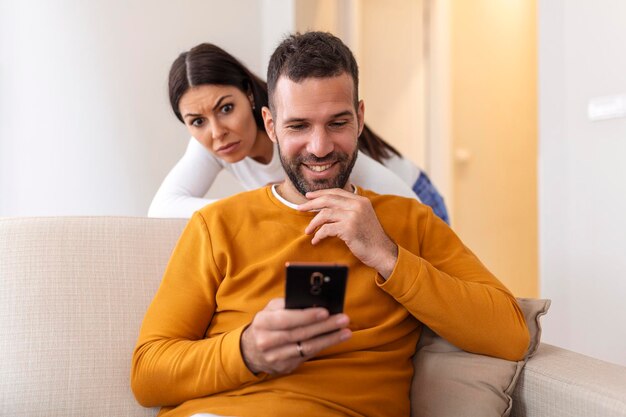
(219, 102)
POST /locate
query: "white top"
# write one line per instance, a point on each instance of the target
(183, 190)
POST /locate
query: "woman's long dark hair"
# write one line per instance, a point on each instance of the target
(374, 146)
(210, 64)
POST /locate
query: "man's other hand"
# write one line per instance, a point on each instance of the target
(351, 218)
(279, 340)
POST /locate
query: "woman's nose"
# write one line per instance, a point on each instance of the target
(218, 131)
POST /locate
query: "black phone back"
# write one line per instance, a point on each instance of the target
(316, 285)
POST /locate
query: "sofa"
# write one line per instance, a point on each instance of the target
(73, 292)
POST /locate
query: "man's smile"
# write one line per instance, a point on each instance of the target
(319, 168)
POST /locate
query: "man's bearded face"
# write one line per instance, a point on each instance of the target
(339, 161)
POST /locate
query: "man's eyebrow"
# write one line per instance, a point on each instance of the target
(342, 114)
(294, 120)
(219, 102)
(334, 116)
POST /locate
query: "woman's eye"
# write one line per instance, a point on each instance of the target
(197, 122)
(227, 108)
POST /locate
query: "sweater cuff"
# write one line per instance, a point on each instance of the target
(232, 359)
(404, 277)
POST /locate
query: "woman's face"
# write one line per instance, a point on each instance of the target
(220, 118)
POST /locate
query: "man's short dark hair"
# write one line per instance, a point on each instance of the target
(311, 55)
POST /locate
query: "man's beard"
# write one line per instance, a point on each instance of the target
(293, 169)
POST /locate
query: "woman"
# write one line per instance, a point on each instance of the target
(220, 101)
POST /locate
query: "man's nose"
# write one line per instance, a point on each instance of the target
(320, 143)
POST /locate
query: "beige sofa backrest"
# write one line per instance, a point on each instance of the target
(73, 293)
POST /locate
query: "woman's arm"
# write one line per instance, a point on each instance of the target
(182, 191)
(371, 175)
(419, 182)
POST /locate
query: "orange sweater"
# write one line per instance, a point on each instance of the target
(229, 262)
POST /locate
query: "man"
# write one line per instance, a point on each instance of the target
(217, 338)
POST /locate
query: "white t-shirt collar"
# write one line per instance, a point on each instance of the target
(289, 203)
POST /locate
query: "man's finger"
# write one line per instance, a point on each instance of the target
(308, 347)
(329, 200)
(325, 216)
(330, 191)
(288, 319)
(275, 304)
(331, 324)
(312, 347)
(327, 230)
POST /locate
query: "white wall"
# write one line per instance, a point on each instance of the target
(85, 124)
(582, 176)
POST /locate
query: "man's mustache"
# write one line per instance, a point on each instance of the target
(331, 157)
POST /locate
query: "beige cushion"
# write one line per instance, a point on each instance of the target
(449, 382)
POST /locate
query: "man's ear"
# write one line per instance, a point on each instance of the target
(268, 121)
(360, 114)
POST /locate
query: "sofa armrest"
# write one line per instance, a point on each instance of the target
(557, 382)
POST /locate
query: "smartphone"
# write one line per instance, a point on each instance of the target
(316, 285)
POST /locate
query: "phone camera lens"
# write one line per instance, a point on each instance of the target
(317, 279)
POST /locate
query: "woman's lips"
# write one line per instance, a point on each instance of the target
(228, 148)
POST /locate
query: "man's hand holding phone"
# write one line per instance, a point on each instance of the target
(278, 340)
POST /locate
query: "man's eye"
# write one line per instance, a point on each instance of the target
(338, 124)
(197, 122)
(296, 127)
(227, 108)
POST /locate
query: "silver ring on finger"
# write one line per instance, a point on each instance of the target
(299, 347)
